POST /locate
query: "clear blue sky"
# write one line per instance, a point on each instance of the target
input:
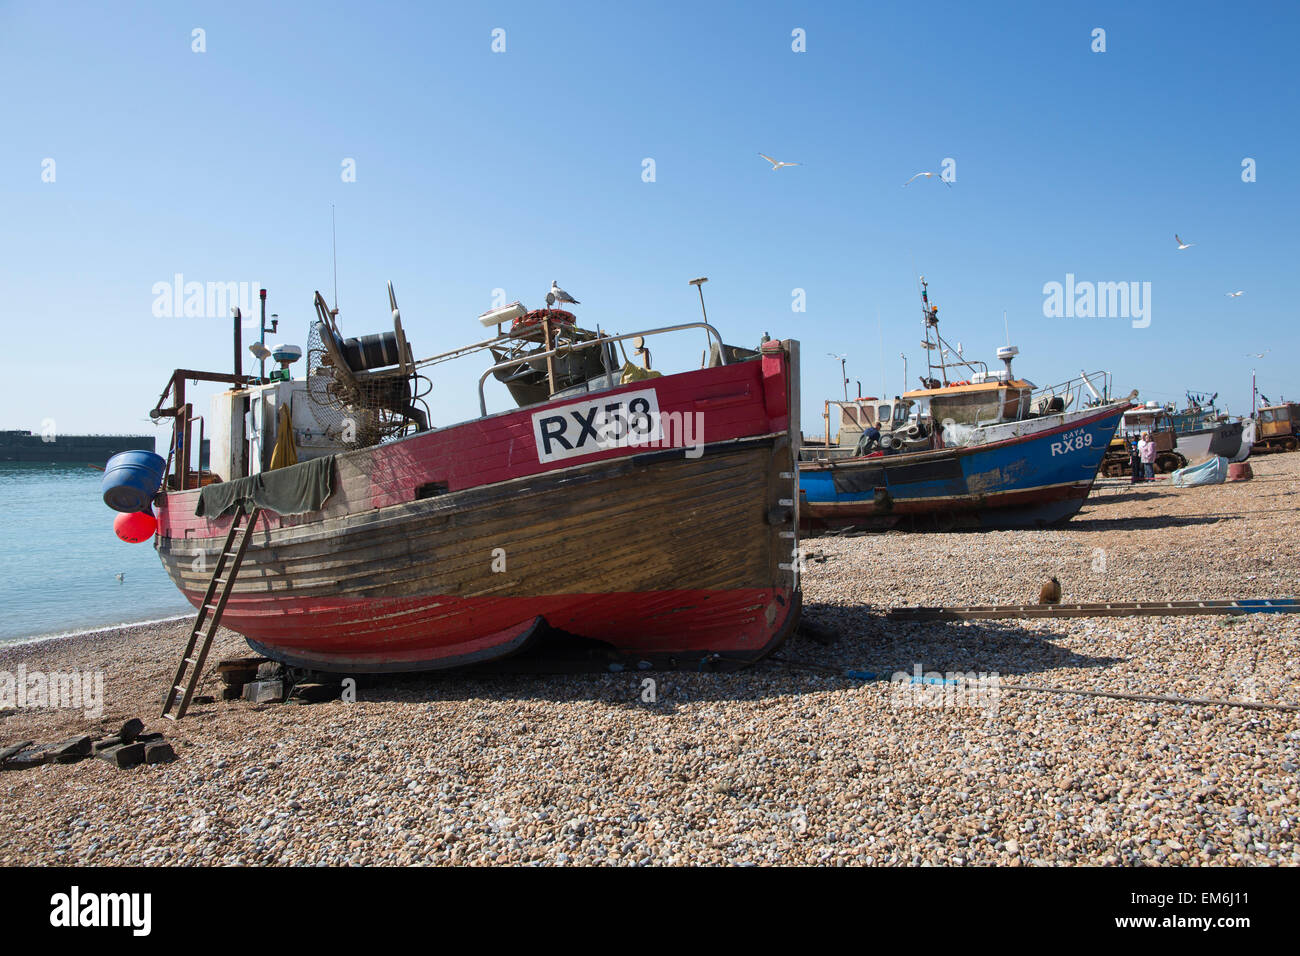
(478, 170)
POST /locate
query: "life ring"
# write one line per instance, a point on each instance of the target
(534, 319)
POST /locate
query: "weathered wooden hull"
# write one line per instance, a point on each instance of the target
(1035, 480)
(456, 546)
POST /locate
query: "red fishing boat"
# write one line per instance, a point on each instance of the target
(654, 513)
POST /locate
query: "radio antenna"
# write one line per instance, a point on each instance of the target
(334, 235)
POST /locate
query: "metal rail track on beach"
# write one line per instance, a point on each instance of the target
(1106, 609)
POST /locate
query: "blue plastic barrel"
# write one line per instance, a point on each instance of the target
(130, 480)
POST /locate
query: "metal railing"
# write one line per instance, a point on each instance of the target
(1088, 388)
(566, 349)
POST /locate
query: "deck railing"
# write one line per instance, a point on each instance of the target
(599, 340)
(1088, 388)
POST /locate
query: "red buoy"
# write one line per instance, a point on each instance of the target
(135, 526)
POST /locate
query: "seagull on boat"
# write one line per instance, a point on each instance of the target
(559, 295)
(777, 164)
(1182, 245)
(927, 176)
(1233, 295)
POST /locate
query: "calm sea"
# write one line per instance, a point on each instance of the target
(60, 560)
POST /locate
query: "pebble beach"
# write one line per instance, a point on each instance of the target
(786, 762)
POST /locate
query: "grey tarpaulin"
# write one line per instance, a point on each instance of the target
(286, 491)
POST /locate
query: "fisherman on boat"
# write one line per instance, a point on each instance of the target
(868, 442)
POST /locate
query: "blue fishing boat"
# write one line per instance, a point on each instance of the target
(988, 451)
(1033, 480)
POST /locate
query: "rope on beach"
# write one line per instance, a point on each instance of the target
(1044, 689)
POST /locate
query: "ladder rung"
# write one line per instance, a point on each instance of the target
(205, 625)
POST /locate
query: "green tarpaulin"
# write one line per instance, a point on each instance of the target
(286, 491)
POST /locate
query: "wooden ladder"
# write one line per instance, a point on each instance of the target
(209, 616)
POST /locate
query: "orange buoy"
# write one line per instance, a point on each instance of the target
(135, 526)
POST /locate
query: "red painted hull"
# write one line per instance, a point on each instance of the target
(656, 553)
(394, 634)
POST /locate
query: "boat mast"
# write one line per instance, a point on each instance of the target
(930, 320)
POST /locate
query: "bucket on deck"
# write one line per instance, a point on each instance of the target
(130, 480)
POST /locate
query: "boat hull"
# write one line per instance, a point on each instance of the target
(1224, 440)
(461, 545)
(1033, 480)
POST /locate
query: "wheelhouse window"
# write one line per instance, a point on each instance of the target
(968, 408)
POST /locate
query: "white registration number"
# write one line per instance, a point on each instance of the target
(584, 428)
(1072, 441)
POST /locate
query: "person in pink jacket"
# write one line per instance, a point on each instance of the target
(1147, 452)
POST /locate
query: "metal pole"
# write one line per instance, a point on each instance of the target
(239, 344)
(261, 372)
(550, 357)
(699, 287)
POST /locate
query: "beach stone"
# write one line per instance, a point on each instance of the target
(314, 693)
(263, 691)
(34, 757)
(76, 745)
(12, 749)
(159, 752)
(123, 756)
(131, 729)
(70, 751)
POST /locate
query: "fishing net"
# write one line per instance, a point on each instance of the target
(361, 410)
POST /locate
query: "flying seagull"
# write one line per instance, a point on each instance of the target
(1233, 295)
(1258, 354)
(927, 176)
(776, 164)
(1182, 245)
(559, 295)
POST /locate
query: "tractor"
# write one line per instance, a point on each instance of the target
(1278, 428)
(1150, 418)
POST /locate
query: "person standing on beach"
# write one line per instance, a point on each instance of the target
(1134, 463)
(1147, 452)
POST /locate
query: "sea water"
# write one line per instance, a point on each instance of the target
(62, 568)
